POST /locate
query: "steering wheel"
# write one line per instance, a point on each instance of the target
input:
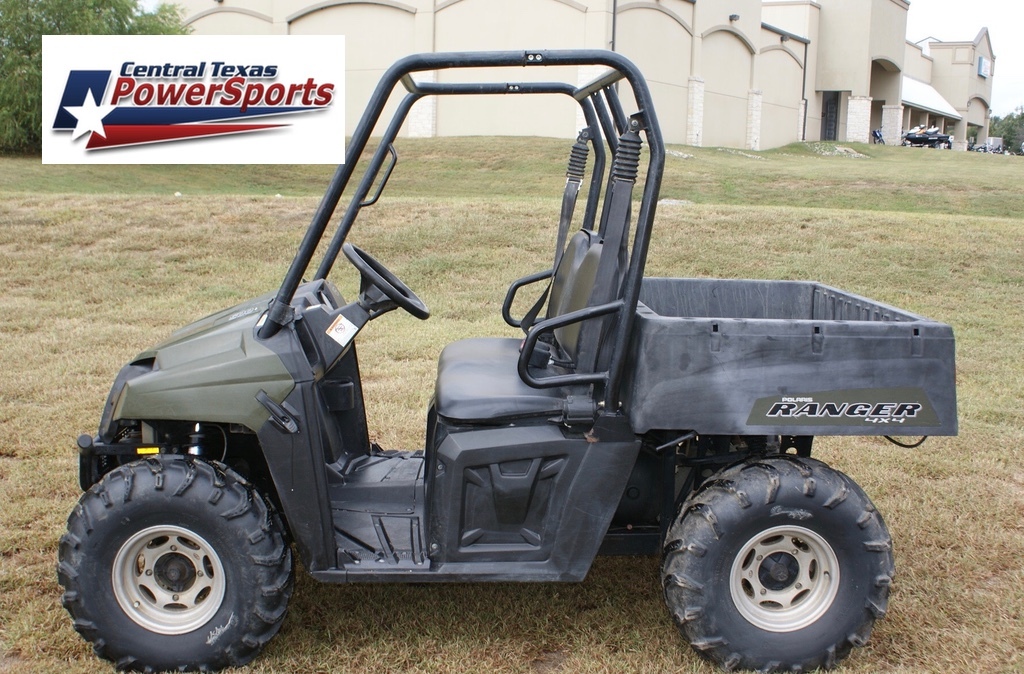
(379, 276)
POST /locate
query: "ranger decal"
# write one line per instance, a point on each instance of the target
(892, 406)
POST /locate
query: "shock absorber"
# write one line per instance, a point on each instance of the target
(627, 156)
(578, 157)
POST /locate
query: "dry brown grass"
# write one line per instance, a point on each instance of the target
(88, 281)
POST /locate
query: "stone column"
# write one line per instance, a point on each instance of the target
(892, 121)
(960, 133)
(422, 121)
(586, 75)
(695, 112)
(858, 119)
(754, 99)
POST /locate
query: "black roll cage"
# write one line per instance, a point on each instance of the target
(605, 118)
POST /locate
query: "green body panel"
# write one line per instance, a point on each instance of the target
(209, 371)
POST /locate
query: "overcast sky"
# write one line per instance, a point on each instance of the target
(960, 21)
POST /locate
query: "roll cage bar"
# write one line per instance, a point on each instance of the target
(605, 117)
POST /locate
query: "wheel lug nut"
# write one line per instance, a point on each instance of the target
(175, 597)
(149, 572)
(174, 548)
(799, 586)
(764, 591)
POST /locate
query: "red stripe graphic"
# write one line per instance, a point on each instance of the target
(136, 134)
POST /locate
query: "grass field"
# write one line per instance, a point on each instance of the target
(100, 262)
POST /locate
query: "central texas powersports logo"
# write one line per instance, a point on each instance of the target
(144, 103)
(193, 99)
(862, 407)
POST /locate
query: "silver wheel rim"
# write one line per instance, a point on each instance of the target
(168, 580)
(784, 578)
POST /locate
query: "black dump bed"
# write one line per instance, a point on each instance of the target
(787, 358)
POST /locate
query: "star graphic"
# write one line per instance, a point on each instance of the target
(89, 115)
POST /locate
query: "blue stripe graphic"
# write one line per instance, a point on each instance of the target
(181, 115)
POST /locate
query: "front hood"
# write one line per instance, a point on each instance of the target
(208, 371)
(242, 316)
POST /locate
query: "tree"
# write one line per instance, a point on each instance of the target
(1009, 128)
(23, 22)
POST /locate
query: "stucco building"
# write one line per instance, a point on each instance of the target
(750, 74)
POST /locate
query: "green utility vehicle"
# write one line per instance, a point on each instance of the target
(620, 415)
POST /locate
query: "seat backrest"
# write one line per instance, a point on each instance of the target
(592, 269)
(568, 266)
(575, 295)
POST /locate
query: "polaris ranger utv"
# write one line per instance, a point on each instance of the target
(620, 415)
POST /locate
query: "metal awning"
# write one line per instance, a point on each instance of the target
(917, 94)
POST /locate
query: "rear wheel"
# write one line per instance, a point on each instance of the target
(175, 563)
(777, 564)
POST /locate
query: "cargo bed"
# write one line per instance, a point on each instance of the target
(785, 357)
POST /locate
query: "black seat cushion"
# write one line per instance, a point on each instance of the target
(478, 382)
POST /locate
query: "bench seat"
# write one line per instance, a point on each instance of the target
(478, 382)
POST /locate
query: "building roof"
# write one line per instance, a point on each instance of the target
(785, 33)
(983, 35)
(920, 95)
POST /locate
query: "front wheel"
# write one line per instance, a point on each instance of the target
(777, 564)
(175, 563)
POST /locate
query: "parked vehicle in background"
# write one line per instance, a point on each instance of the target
(928, 137)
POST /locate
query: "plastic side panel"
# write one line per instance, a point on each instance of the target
(523, 503)
(727, 376)
(297, 466)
